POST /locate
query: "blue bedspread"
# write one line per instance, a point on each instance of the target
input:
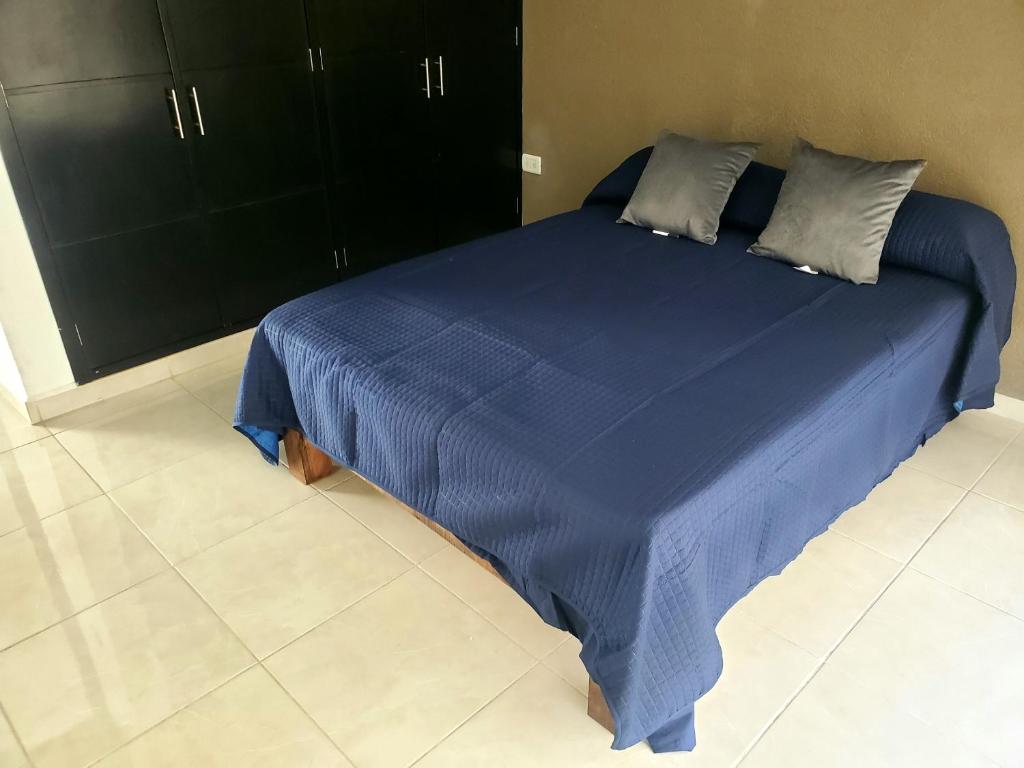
(636, 430)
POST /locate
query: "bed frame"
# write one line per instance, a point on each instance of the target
(309, 464)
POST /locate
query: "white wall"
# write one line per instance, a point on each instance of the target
(32, 357)
(10, 376)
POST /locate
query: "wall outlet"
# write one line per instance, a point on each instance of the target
(532, 164)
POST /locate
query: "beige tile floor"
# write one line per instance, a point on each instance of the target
(168, 599)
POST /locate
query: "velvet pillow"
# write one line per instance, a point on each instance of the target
(685, 186)
(834, 212)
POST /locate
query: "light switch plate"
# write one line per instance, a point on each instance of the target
(532, 164)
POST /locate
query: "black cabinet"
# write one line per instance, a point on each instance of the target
(191, 164)
(373, 59)
(248, 78)
(115, 192)
(270, 253)
(64, 41)
(475, 115)
(140, 290)
(423, 101)
(103, 156)
(91, 103)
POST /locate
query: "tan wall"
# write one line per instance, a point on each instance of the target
(940, 79)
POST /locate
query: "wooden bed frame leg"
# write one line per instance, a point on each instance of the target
(598, 709)
(305, 461)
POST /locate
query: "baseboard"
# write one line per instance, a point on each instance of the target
(53, 404)
(1010, 407)
(17, 404)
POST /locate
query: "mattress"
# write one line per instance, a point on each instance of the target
(634, 430)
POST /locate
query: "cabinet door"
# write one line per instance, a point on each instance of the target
(111, 177)
(377, 111)
(138, 293)
(261, 263)
(475, 115)
(252, 116)
(63, 41)
(104, 156)
(252, 112)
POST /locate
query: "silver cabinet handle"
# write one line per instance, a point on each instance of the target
(198, 112)
(440, 70)
(172, 99)
(321, 50)
(426, 68)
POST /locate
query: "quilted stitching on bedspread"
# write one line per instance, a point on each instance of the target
(635, 430)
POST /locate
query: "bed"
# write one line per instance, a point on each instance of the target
(632, 430)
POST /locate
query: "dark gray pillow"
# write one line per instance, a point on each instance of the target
(685, 186)
(834, 212)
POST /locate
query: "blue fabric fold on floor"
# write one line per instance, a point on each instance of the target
(634, 430)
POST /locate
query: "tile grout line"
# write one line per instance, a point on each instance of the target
(38, 520)
(17, 737)
(368, 528)
(492, 701)
(210, 408)
(302, 709)
(475, 610)
(964, 492)
(171, 565)
(21, 417)
(982, 495)
(558, 674)
(103, 494)
(814, 673)
(1013, 438)
(216, 544)
(150, 473)
(1002, 452)
(419, 566)
(333, 616)
(220, 619)
(79, 612)
(30, 442)
(535, 662)
(972, 490)
(750, 748)
(968, 594)
(173, 714)
(257, 661)
(480, 709)
(116, 414)
(414, 565)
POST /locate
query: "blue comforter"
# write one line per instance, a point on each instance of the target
(636, 430)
